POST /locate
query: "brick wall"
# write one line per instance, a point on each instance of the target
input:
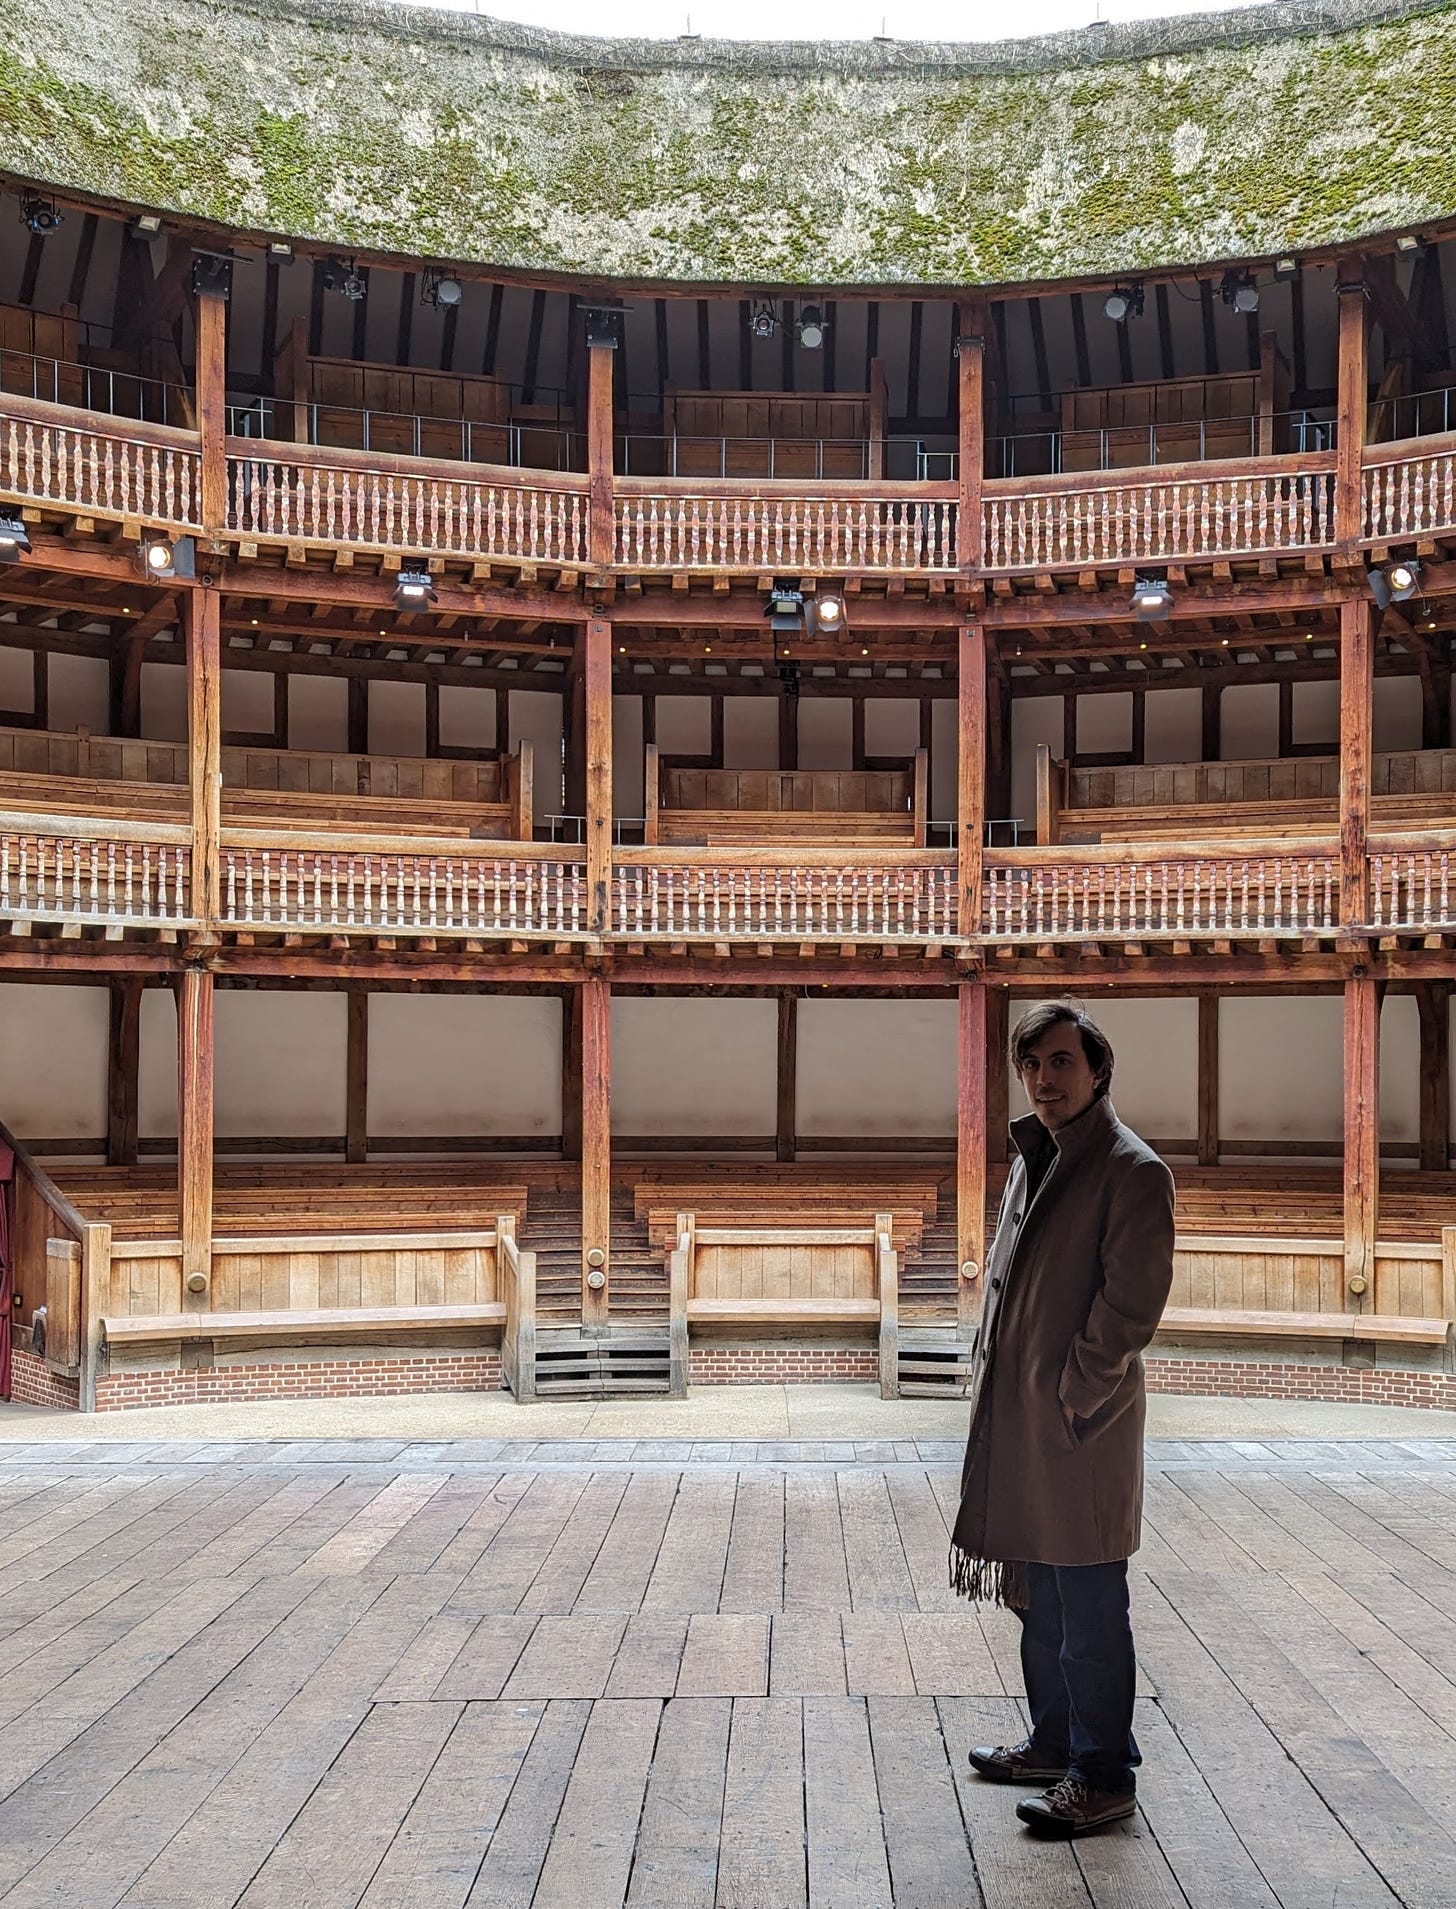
(344, 1378)
(33, 1383)
(783, 1365)
(1325, 1384)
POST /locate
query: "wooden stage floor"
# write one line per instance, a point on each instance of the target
(569, 1674)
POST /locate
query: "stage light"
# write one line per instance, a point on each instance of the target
(763, 319)
(1408, 242)
(785, 608)
(147, 225)
(40, 215)
(413, 590)
(825, 615)
(1151, 599)
(811, 328)
(605, 325)
(164, 558)
(344, 277)
(439, 288)
(14, 540)
(1286, 267)
(1124, 302)
(1239, 292)
(1395, 584)
(280, 249)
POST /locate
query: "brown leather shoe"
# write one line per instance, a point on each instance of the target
(1015, 1763)
(1070, 1808)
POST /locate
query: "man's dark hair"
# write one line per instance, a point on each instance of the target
(1043, 1018)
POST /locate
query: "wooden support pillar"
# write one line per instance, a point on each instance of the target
(1208, 1080)
(972, 321)
(788, 726)
(194, 1131)
(597, 687)
(787, 1098)
(123, 1055)
(971, 1082)
(1357, 704)
(1211, 738)
(601, 529)
(571, 1074)
(998, 1037)
(971, 773)
(1362, 1138)
(212, 410)
(356, 1095)
(204, 738)
(1352, 396)
(1433, 1004)
(596, 1149)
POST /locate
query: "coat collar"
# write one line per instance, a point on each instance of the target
(1037, 1146)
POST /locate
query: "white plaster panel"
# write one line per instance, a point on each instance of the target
(876, 1068)
(280, 1062)
(79, 693)
(1249, 722)
(1034, 719)
(1400, 1068)
(1173, 725)
(628, 771)
(944, 755)
(157, 1066)
(17, 679)
(891, 726)
(694, 1066)
(164, 702)
(396, 718)
(467, 717)
(464, 1064)
(247, 701)
(318, 713)
(1281, 1067)
(53, 1061)
(1315, 714)
(1397, 722)
(826, 727)
(684, 725)
(1104, 722)
(1155, 1062)
(750, 732)
(536, 718)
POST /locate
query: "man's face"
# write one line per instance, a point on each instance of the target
(1058, 1077)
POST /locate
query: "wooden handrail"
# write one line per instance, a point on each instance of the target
(1213, 470)
(786, 855)
(446, 847)
(1096, 854)
(789, 490)
(92, 828)
(262, 450)
(69, 417)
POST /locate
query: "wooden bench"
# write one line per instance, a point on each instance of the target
(766, 1278)
(692, 807)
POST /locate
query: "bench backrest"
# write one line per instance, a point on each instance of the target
(766, 1263)
(689, 803)
(1231, 1273)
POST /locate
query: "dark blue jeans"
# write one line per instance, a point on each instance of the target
(1077, 1660)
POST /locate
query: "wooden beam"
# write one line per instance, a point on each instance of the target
(212, 410)
(1357, 696)
(194, 1132)
(571, 1095)
(998, 1034)
(123, 1056)
(1352, 391)
(356, 1097)
(597, 684)
(787, 1077)
(1208, 1080)
(204, 736)
(971, 318)
(601, 532)
(596, 1148)
(1362, 1137)
(971, 1077)
(971, 774)
(1433, 1004)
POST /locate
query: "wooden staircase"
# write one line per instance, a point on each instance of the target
(628, 1357)
(934, 1362)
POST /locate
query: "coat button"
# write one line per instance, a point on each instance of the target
(1016, 1219)
(996, 1284)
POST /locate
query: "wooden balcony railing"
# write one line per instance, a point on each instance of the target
(784, 894)
(1410, 489)
(51, 454)
(370, 885)
(1186, 511)
(1413, 887)
(796, 528)
(298, 494)
(71, 869)
(1070, 894)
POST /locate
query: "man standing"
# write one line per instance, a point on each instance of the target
(1052, 1487)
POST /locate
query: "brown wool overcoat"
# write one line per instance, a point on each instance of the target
(1076, 1281)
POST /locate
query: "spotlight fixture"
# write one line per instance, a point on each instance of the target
(1152, 598)
(40, 215)
(785, 608)
(1286, 267)
(1124, 302)
(1239, 291)
(413, 590)
(280, 249)
(146, 225)
(344, 277)
(212, 274)
(811, 328)
(439, 288)
(14, 540)
(824, 615)
(763, 318)
(1396, 583)
(1409, 242)
(605, 325)
(164, 557)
